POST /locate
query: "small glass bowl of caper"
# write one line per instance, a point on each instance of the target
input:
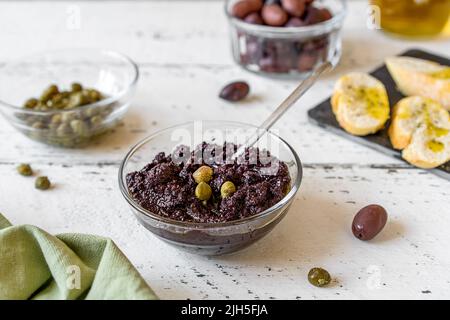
(67, 97)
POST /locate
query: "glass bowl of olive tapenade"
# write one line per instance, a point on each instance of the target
(196, 187)
(67, 97)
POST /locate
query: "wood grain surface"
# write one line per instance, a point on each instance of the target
(183, 52)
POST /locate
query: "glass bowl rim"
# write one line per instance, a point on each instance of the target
(335, 21)
(198, 225)
(103, 102)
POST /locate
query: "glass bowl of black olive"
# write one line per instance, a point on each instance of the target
(199, 187)
(285, 38)
(68, 97)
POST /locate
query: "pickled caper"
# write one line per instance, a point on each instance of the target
(203, 191)
(57, 101)
(76, 99)
(94, 95)
(40, 105)
(66, 128)
(76, 87)
(31, 103)
(42, 183)
(203, 174)
(49, 92)
(227, 189)
(319, 277)
(25, 169)
(57, 98)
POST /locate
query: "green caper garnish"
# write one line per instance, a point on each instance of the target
(57, 101)
(57, 98)
(203, 191)
(227, 189)
(49, 92)
(42, 183)
(203, 174)
(41, 106)
(76, 99)
(31, 103)
(319, 277)
(76, 87)
(94, 95)
(25, 169)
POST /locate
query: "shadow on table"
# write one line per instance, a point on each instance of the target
(315, 229)
(127, 133)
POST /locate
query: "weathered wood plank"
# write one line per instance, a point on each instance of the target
(185, 60)
(409, 256)
(183, 51)
(169, 95)
(175, 32)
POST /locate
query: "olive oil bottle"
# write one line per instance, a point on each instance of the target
(414, 18)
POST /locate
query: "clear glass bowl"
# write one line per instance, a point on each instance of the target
(112, 73)
(287, 52)
(209, 238)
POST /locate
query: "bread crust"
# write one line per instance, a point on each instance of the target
(399, 140)
(415, 77)
(415, 160)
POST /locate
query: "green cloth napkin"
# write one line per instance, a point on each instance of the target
(37, 265)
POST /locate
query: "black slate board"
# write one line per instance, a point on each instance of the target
(322, 115)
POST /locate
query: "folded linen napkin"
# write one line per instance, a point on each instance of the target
(37, 265)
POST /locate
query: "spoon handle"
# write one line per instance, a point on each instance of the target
(284, 106)
(293, 97)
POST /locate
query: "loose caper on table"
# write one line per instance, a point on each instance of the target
(24, 169)
(319, 277)
(70, 126)
(42, 183)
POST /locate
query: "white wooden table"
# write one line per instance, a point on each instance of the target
(183, 51)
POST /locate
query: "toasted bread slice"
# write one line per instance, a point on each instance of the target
(426, 151)
(418, 77)
(360, 103)
(409, 113)
(421, 127)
